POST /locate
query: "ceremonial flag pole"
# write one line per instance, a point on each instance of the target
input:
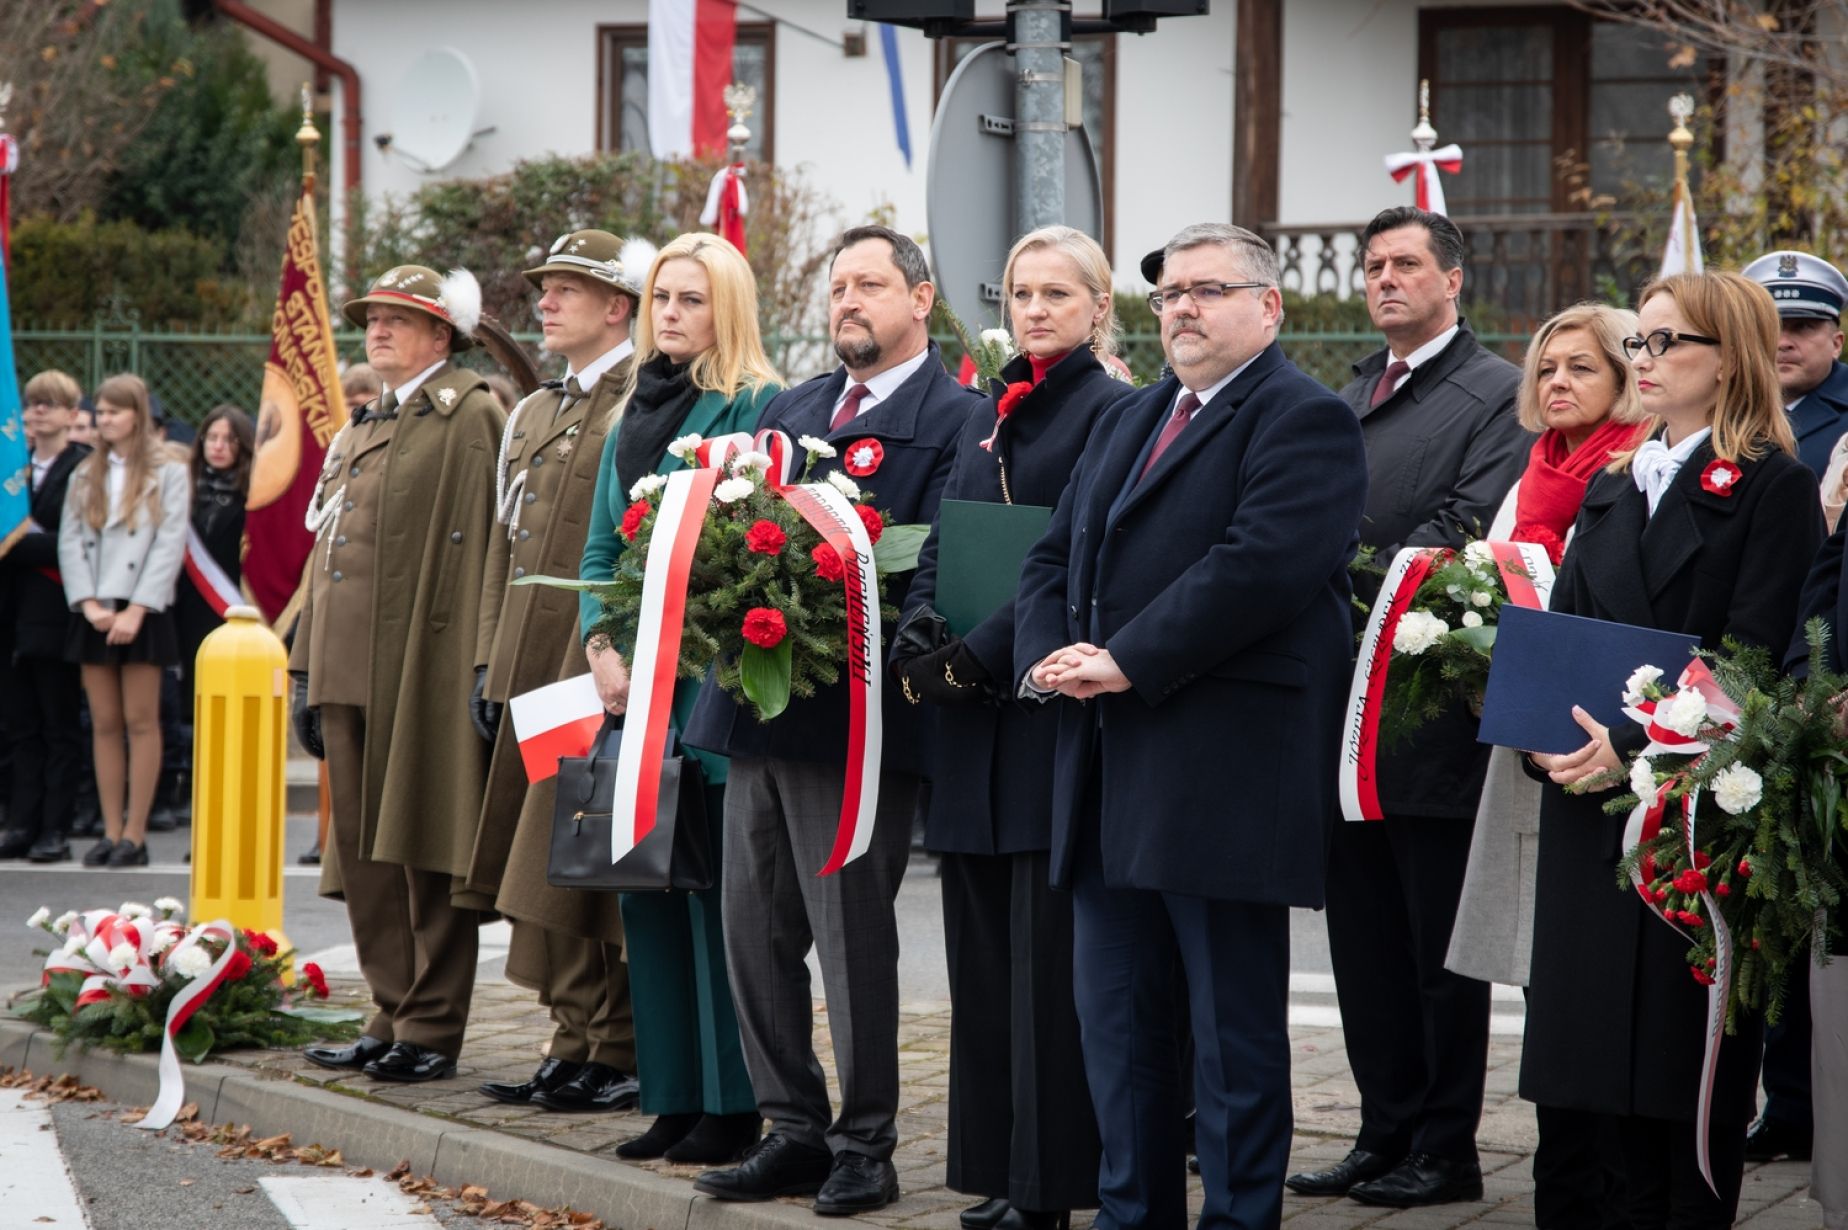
(302, 408)
(726, 203)
(15, 454)
(1682, 255)
(1424, 161)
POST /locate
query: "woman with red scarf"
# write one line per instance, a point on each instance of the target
(1579, 392)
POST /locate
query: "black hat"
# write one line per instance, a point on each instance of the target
(1151, 266)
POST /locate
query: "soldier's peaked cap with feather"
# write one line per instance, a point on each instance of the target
(600, 256)
(454, 299)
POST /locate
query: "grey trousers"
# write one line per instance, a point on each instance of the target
(1829, 1090)
(780, 821)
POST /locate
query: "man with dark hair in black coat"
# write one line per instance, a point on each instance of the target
(1443, 448)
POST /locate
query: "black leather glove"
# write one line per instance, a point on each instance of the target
(950, 675)
(485, 713)
(307, 718)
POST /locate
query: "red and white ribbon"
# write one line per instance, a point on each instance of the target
(1526, 571)
(727, 204)
(1428, 193)
(1722, 715)
(179, 1010)
(91, 949)
(213, 582)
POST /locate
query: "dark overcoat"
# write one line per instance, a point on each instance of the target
(1615, 1023)
(993, 762)
(1219, 582)
(1820, 419)
(1442, 452)
(29, 571)
(917, 428)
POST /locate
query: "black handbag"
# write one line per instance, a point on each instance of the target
(676, 854)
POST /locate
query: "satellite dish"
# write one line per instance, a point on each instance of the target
(433, 109)
(969, 192)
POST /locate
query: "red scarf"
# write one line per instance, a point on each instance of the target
(1554, 485)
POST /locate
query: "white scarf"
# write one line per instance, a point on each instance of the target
(1655, 465)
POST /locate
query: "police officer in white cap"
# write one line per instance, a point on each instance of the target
(1809, 293)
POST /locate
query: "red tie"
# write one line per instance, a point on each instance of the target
(849, 407)
(1183, 414)
(1389, 380)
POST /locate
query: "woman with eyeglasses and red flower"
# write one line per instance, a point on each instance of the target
(1022, 1133)
(1708, 528)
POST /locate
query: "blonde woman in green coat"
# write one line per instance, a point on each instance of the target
(699, 368)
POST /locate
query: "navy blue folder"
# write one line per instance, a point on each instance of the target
(1545, 662)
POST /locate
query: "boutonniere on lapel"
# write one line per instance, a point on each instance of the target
(568, 443)
(1719, 477)
(863, 457)
(1010, 397)
(446, 396)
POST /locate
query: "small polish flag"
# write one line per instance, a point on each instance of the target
(560, 719)
(689, 66)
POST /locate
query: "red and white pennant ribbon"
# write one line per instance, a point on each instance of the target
(1428, 192)
(682, 511)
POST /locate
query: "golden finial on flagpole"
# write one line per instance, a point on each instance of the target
(1424, 136)
(1681, 140)
(740, 101)
(307, 136)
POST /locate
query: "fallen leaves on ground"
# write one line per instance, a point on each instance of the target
(51, 1089)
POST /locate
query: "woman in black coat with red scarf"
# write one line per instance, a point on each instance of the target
(1022, 1131)
(1707, 529)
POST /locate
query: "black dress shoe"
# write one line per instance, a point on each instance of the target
(776, 1166)
(407, 1063)
(858, 1184)
(1357, 1167)
(717, 1140)
(15, 843)
(312, 858)
(1419, 1180)
(98, 854)
(355, 1054)
(128, 854)
(1771, 1139)
(1017, 1218)
(551, 1074)
(983, 1216)
(596, 1087)
(663, 1134)
(49, 848)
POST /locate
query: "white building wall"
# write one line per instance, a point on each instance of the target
(538, 69)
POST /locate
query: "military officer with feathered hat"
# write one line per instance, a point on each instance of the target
(383, 663)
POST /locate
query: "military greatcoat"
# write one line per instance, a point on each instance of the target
(526, 628)
(392, 613)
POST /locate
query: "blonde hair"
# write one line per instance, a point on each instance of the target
(143, 455)
(736, 360)
(53, 388)
(1093, 271)
(1608, 327)
(1748, 412)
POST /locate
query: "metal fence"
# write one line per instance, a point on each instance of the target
(192, 372)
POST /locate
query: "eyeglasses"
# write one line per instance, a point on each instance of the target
(1662, 341)
(1204, 294)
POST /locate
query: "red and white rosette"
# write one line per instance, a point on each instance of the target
(179, 1011)
(683, 506)
(213, 582)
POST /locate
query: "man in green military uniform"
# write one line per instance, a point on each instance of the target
(383, 663)
(567, 945)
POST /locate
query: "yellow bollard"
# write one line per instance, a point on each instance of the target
(240, 744)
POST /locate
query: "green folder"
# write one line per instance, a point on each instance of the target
(980, 548)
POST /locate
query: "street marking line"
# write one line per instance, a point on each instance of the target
(35, 1176)
(494, 940)
(1327, 1016)
(1311, 983)
(340, 1202)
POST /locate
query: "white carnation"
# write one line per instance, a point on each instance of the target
(1471, 619)
(39, 918)
(74, 945)
(164, 939)
(1481, 597)
(1417, 632)
(1684, 713)
(1642, 779)
(684, 447)
(134, 909)
(63, 922)
(1737, 789)
(191, 962)
(816, 445)
(1639, 679)
(647, 485)
(732, 490)
(999, 337)
(123, 955)
(1478, 556)
(168, 906)
(753, 460)
(846, 486)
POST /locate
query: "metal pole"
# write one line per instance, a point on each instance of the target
(1039, 112)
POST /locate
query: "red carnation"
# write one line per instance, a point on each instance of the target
(1691, 881)
(765, 538)
(1659, 895)
(1722, 890)
(238, 966)
(632, 518)
(828, 564)
(1692, 919)
(317, 981)
(870, 518)
(1702, 859)
(1745, 868)
(1701, 976)
(1754, 943)
(261, 942)
(764, 627)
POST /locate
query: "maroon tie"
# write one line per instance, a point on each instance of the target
(850, 406)
(1183, 414)
(1389, 380)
